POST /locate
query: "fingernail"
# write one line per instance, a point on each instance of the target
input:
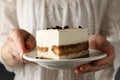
(81, 68)
(78, 71)
(84, 69)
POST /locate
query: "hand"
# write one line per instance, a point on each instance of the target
(100, 43)
(19, 42)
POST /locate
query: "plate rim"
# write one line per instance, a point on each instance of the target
(33, 59)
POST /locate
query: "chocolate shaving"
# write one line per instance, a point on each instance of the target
(53, 28)
(48, 28)
(58, 27)
(80, 27)
(65, 27)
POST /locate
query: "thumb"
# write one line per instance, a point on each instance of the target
(30, 42)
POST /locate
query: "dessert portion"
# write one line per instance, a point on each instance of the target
(62, 43)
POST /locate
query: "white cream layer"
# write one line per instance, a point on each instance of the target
(47, 38)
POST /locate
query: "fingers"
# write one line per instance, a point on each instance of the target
(23, 40)
(17, 43)
(109, 50)
(12, 50)
(104, 61)
(100, 43)
(20, 42)
(96, 65)
(90, 68)
(18, 39)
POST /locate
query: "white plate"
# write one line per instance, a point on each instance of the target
(63, 63)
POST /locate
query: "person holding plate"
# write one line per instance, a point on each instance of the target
(20, 19)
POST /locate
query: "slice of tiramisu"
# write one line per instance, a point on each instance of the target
(62, 43)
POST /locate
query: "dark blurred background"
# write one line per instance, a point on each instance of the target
(4, 74)
(117, 77)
